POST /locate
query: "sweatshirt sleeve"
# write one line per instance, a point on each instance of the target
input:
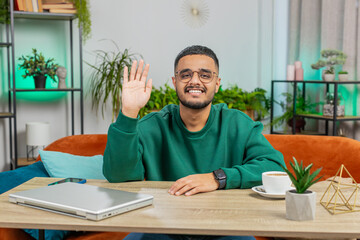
(123, 152)
(259, 157)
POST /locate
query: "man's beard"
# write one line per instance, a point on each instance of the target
(195, 105)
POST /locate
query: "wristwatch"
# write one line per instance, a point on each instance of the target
(220, 177)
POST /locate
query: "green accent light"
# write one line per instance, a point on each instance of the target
(36, 96)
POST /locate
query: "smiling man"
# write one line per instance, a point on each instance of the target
(200, 146)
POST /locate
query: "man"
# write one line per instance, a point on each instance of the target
(200, 146)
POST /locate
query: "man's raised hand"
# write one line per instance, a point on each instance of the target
(136, 91)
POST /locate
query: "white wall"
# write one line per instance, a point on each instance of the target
(239, 31)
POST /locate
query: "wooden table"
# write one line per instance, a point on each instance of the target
(223, 212)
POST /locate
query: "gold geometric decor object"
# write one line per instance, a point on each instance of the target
(342, 194)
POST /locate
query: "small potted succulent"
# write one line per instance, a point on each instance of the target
(36, 66)
(343, 76)
(329, 59)
(301, 202)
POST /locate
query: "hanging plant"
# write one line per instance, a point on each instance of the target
(83, 14)
(4, 11)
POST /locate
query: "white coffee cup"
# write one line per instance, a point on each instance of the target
(276, 182)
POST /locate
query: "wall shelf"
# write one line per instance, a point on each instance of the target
(11, 113)
(305, 84)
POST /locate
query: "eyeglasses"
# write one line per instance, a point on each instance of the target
(205, 76)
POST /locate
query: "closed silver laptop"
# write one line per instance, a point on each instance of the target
(81, 200)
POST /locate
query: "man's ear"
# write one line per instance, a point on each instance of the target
(218, 81)
(174, 82)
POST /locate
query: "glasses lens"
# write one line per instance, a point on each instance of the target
(186, 75)
(205, 76)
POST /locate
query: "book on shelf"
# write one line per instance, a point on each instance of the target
(19, 5)
(62, 10)
(55, 1)
(28, 5)
(60, 5)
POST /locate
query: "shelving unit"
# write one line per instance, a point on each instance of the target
(11, 114)
(327, 119)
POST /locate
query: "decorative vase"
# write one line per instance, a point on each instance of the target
(329, 77)
(299, 124)
(300, 206)
(343, 77)
(40, 81)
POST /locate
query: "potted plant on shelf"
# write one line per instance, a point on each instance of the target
(37, 67)
(329, 59)
(301, 202)
(328, 108)
(343, 76)
(302, 106)
(107, 78)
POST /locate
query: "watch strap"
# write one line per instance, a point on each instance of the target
(220, 177)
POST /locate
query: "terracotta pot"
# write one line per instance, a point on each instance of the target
(300, 206)
(299, 124)
(250, 113)
(40, 81)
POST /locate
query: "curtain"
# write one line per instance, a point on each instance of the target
(327, 24)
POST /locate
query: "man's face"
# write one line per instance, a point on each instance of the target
(196, 91)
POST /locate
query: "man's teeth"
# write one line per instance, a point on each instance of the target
(194, 91)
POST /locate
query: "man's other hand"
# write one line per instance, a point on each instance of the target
(193, 184)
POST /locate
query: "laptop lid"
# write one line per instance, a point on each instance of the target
(81, 200)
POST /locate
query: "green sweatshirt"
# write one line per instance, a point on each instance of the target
(160, 148)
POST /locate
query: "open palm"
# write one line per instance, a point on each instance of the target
(136, 91)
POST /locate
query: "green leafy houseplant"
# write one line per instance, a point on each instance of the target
(4, 11)
(330, 58)
(342, 72)
(302, 106)
(302, 179)
(237, 98)
(159, 98)
(107, 78)
(36, 65)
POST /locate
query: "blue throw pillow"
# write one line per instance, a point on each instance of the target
(64, 165)
(13, 178)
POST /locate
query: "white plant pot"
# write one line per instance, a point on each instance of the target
(300, 206)
(329, 77)
(343, 77)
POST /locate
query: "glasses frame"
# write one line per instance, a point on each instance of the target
(192, 75)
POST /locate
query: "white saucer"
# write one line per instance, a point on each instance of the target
(261, 190)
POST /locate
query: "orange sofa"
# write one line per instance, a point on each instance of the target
(323, 151)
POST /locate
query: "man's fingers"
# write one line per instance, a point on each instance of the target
(139, 70)
(133, 71)
(193, 191)
(126, 73)
(183, 190)
(145, 73)
(149, 85)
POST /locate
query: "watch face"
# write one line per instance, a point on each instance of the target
(220, 174)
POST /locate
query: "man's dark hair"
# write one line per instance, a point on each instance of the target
(197, 50)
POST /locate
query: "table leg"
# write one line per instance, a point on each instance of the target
(41, 234)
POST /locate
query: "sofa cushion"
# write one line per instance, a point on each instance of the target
(11, 179)
(64, 165)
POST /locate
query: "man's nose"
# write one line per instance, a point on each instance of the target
(195, 78)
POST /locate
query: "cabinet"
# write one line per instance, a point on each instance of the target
(306, 86)
(12, 90)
